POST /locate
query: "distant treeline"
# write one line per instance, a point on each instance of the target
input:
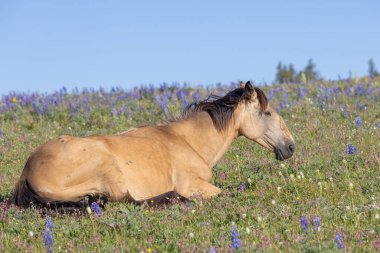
(287, 73)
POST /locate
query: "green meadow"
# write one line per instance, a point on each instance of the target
(332, 182)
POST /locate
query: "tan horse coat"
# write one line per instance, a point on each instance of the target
(145, 162)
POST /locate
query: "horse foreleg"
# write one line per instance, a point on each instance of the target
(198, 187)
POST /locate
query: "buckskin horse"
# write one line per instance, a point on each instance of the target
(146, 162)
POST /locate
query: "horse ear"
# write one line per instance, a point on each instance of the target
(250, 91)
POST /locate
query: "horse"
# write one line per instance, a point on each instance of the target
(143, 163)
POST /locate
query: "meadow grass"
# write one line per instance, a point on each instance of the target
(262, 198)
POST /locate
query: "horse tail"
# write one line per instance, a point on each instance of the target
(23, 195)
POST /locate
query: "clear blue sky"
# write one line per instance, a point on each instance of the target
(45, 45)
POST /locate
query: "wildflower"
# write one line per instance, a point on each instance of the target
(273, 202)
(149, 250)
(304, 224)
(31, 233)
(14, 100)
(339, 241)
(95, 207)
(279, 188)
(259, 219)
(236, 244)
(282, 165)
(88, 210)
(377, 216)
(48, 238)
(212, 250)
(242, 187)
(351, 149)
(244, 215)
(351, 185)
(191, 235)
(317, 223)
(358, 122)
(249, 180)
(247, 230)
(49, 224)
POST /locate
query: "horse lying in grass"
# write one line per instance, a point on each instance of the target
(151, 161)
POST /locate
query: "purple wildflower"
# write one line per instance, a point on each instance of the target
(317, 223)
(358, 122)
(48, 238)
(49, 224)
(95, 207)
(212, 250)
(236, 244)
(242, 187)
(304, 224)
(339, 241)
(351, 149)
(348, 91)
(345, 112)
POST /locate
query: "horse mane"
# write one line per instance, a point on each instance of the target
(221, 109)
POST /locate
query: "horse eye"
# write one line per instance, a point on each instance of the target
(267, 114)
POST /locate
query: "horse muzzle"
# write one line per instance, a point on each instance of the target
(285, 152)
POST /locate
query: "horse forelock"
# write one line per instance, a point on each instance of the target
(221, 109)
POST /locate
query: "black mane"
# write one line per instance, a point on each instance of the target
(221, 109)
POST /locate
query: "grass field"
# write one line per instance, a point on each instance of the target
(326, 198)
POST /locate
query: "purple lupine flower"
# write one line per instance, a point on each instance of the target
(320, 102)
(358, 122)
(212, 250)
(196, 95)
(339, 241)
(317, 223)
(37, 109)
(95, 207)
(330, 95)
(48, 238)
(351, 149)
(236, 244)
(348, 91)
(304, 224)
(300, 93)
(49, 224)
(377, 125)
(345, 113)
(360, 90)
(241, 186)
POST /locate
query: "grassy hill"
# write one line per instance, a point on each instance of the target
(327, 196)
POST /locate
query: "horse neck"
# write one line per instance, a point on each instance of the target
(200, 133)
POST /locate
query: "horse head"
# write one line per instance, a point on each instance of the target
(259, 122)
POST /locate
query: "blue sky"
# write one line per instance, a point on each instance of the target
(45, 45)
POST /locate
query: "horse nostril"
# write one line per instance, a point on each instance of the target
(292, 147)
